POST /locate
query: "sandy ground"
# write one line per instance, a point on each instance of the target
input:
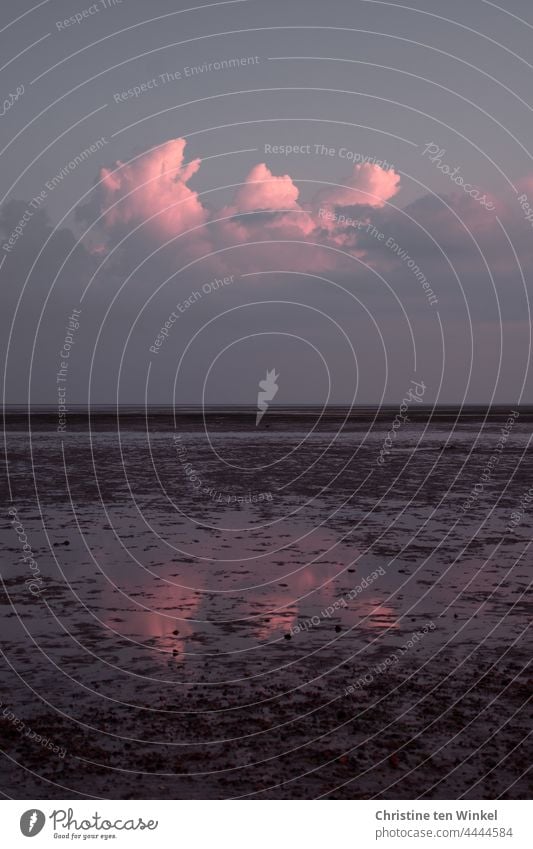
(354, 635)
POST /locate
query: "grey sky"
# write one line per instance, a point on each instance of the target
(374, 79)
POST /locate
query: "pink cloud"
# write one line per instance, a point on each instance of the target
(262, 190)
(154, 185)
(153, 189)
(266, 207)
(368, 185)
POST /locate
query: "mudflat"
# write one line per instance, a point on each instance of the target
(210, 609)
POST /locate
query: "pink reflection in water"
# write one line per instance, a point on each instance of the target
(271, 593)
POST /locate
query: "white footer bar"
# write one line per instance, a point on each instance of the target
(258, 824)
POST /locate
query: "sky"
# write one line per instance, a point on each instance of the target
(195, 195)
